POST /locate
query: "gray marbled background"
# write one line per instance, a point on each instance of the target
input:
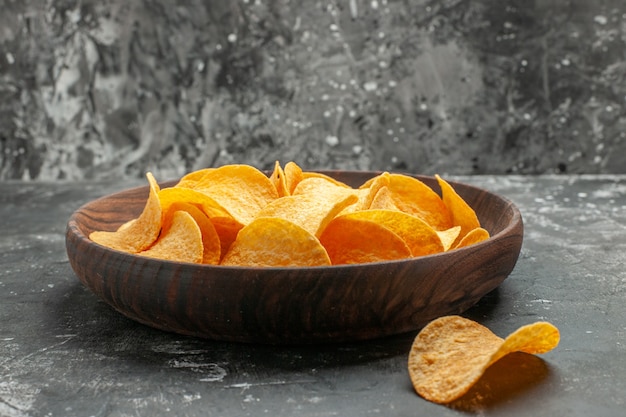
(110, 89)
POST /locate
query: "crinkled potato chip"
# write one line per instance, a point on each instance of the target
(416, 233)
(313, 174)
(368, 192)
(293, 175)
(383, 200)
(211, 243)
(473, 236)
(126, 225)
(227, 229)
(316, 185)
(451, 353)
(225, 225)
(462, 214)
(309, 211)
(268, 241)
(181, 241)
(448, 236)
(209, 206)
(412, 196)
(279, 180)
(138, 234)
(242, 190)
(320, 188)
(190, 180)
(353, 241)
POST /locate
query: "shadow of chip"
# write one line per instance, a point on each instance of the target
(512, 376)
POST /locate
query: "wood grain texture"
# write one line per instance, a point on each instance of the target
(293, 305)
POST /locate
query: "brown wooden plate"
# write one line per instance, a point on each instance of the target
(293, 305)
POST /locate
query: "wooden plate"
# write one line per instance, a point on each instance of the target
(293, 305)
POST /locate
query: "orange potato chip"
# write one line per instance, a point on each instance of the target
(293, 175)
(412, 196)
(126, 225)
(242, 190)
(451, 353)
(383, 200)
(227, 229)
(312, 174)
(225, 225)
(473, 236)
(321, 188)
(209, 206)
(449, 236)
(351, 240)
(309, 211)
(279, 180)
(137, 234)
(319, 185)
(367, 193)
(189, 180)
(211, 243)
(462, 214)
(416, 233)
(181, 241)
(271, 241)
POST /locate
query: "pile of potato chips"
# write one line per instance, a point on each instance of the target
(237, 215)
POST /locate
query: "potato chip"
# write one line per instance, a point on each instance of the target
(319, 185)
(225, 225)
(366, 194)
(351, 240)
(278, 179)
(267, 242)
(209, 206)
(241, 189)
(126, 225)
(189, 180)
(227, 229)
(140, 233)
(211, 243)
(462, 214)
(313, 174)
(473, 236)
(293, 175)
(383, 200)
(449, 236)
(416, 233)
(321, 188)
(180, 241)
(451, 353)
(309, 211)
(412, 196)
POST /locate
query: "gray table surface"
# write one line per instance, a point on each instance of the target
(63, 352)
